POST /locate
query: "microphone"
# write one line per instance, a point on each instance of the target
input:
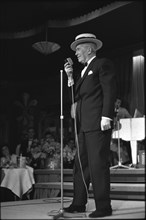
(69, 60)
(69, 73)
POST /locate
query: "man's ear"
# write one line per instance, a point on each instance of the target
(89, 50)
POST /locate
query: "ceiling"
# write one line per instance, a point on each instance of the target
(23, 23)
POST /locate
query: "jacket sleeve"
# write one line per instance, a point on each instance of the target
(107, 79)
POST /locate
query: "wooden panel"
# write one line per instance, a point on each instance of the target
(127, 175)
(117, 175)
(118, 190)
(125, 183)
(46, 175)
(114, 186)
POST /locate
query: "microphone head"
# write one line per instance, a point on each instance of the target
(69, 60)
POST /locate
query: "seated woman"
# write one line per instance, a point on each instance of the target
(7, 159)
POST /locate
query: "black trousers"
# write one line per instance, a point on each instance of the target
(94, 150)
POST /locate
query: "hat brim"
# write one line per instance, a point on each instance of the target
(97, 42)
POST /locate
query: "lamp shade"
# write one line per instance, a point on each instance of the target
(46, 47)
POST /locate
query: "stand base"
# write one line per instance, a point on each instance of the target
(61, 214)
(133, 166)
(119, 165)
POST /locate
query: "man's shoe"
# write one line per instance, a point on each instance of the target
(102, 213)
(75, 209)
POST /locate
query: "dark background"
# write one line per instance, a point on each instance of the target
(118, 28)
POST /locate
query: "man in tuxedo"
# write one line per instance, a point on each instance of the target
(93, 110)
(26, 142)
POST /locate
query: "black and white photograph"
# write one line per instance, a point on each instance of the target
(72, 112)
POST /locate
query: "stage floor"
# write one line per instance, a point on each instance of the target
(45, 208)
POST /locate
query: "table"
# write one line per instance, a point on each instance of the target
(18, 180)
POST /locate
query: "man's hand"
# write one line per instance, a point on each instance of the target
(105, 123)
(68, 69)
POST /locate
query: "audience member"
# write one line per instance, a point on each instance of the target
(49, 136)
(26, 141)
(7, 159)
(34, 159)
(121, 112)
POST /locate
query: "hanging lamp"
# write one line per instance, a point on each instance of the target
(46, 47)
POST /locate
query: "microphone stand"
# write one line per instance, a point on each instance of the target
(58, 214)
(119, 165)
(61, 213)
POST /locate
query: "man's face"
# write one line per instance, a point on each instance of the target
(30, 133)
(82, 52)
(118, 103)
(5, 151)
(50, 138)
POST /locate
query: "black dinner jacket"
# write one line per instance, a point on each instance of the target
(95, 94)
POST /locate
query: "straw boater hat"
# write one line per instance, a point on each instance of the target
(86, 38)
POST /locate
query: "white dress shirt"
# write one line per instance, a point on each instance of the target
(83, 70)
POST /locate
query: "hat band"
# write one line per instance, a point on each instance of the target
(85, 38)
(86, 42)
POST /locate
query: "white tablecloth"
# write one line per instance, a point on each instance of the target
(18, 180)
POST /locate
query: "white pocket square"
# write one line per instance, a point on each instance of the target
(90, 72)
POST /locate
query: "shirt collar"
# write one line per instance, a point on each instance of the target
(89, 61)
